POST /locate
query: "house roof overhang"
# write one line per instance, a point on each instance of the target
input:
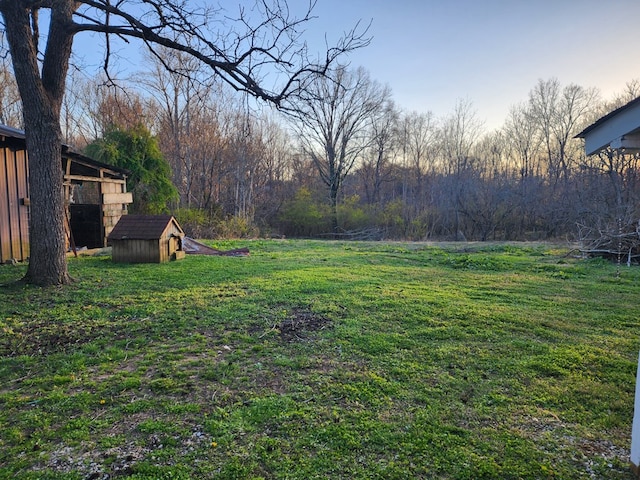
(619, 129)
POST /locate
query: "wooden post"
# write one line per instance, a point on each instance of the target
(635, 429)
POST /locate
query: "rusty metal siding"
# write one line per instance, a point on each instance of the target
(5, 225)
(23, 201)
(14, 209)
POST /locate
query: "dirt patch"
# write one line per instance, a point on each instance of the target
(119, 461)
(42, 337)
(300, 323)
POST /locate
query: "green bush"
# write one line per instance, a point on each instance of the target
(196, 223)
(352, 216)
(138, 151)
(304, 216)
(235, 227)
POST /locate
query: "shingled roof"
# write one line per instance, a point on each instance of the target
(142, 227)
(607, 117)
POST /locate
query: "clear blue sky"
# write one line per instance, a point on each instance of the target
(492, 52)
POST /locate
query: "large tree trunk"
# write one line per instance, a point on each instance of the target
(42, 87)
(47, 259)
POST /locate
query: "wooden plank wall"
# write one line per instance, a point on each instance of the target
(14, 209)
(164, 249)
(157, 250)
(136, 251)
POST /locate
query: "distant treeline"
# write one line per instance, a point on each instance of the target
(345, 162)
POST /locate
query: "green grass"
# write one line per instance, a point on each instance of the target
(323, 360)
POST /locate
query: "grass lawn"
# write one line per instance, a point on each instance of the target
(325, 360)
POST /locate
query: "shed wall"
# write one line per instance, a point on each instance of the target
(14, 205)
(108, 195)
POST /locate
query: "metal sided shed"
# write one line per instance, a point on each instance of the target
(95, 197)
(14, 196)
(146, 239)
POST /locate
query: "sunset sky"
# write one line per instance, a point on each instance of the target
(433, 53)
(491, 52)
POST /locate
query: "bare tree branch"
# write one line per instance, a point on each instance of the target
(272, 46)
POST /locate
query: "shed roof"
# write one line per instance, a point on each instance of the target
(83, 165)
(18, 136)
(7, 131)
(143, 227)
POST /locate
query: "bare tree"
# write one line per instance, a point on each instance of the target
(86, 115)
(543, 99)
(631, 91)
(244, 164)
(460, 132)
(523, 143)
(10, 111)
(520, 131)
(241, 53)
(275, 161)
(486, 198)
(384, 132)
(124, 110)
(420, 145)
(182, 93)
(572, 115)
(559, 114)
(333, 121)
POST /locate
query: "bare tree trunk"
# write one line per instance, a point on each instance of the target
(333, 122)
(47, 261)
(42, 95)
(333, 194)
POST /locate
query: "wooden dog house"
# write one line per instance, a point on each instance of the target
(147, 239)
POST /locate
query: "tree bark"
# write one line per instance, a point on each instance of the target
(47, 262)
(42, 89)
